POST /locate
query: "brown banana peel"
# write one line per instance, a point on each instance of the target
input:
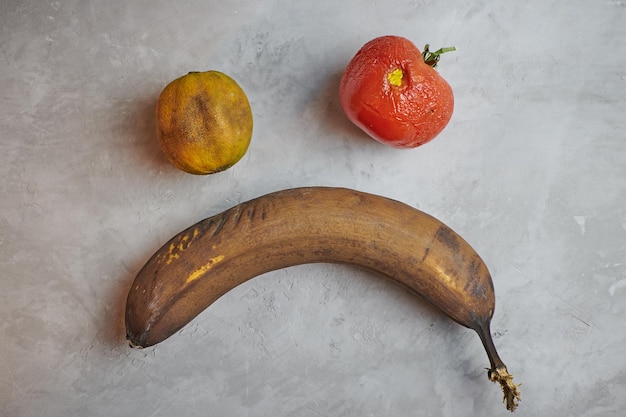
(306, 225)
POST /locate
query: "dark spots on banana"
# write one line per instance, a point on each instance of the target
(479, 291)
(426, 252)
(211, 225)
(446, 236)
(220, 223)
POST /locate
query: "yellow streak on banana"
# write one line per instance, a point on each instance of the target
(203, 269)
(314, 224)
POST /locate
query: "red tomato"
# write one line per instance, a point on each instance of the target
(390, 92)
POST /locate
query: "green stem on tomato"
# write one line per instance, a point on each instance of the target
(432, 58)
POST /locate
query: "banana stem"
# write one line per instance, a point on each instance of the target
(498, 371)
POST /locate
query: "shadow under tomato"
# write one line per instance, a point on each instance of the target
(331, 115)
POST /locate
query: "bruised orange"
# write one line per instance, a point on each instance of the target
(204, 122)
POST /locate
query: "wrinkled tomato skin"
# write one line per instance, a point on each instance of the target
(402, 116)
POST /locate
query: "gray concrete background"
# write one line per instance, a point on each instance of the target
(531, 171)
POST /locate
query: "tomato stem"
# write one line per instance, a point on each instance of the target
(432, 58)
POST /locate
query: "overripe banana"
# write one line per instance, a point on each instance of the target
(315, 224)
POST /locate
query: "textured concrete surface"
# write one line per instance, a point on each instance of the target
(531, 171)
